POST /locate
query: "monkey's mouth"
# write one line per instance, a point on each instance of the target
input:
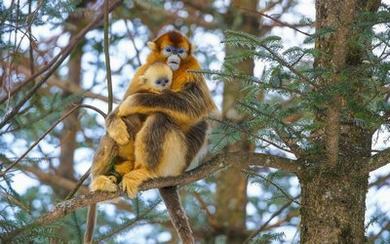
(173, 62)
(173, 65)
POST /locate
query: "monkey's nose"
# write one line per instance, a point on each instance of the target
(162, 82)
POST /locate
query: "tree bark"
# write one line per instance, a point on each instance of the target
(231, 194)
(333, 197)
(335, 184)
(333, 207)
(71, 125)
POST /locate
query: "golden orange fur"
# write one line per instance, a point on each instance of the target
(117, 143)
(175, 127)
(181, 76)
(173, 160)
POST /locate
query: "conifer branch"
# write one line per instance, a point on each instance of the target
(263, 226)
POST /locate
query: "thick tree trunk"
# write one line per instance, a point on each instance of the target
(333, 196)
(334, 186)
(333, 207)
(71, 124)
(231, 195)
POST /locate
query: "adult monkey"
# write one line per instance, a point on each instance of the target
(182, 110)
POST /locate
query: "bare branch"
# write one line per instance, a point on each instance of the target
(2, 173)
(203, 205)
(173, 16)
(31, 50)
(59, 181)
(50, 179)
(79, 184)
(107, 54)
(53, 65)
(292, 26)
(264, 160)
(385, 227)
(377, 161)
(137, 51)
(62, 84)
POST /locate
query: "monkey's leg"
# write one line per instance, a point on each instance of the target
(162, 145)
(104, 183)
(153, 145)
(195, 139)
(124, 167)
(132, 180)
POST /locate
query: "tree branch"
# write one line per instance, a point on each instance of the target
(210, 166)
(264, 160)
(2, 173)
(378, 160)
(107, 54)
(54, 65)
(59, 181)
(281, 23)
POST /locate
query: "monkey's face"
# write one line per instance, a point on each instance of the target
(174, 55)
(173, 48)
(157, 77)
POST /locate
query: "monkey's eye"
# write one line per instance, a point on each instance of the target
(168, 49)
(180, 51)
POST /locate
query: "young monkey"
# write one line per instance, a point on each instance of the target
(156, 78)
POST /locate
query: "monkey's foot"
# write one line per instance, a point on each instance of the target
(124, 167)
(104, 183)
(132, 180)
(117, 130)
(130, 186)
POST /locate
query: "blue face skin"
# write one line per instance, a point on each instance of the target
(174, 56)
(174, 50)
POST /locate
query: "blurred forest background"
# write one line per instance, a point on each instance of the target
(303, 88)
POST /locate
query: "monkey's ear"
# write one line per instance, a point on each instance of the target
(193, 48)
(152, 46)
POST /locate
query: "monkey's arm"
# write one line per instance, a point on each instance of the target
(187, 106)
(123, 129)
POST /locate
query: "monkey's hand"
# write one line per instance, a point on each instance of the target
(132, 180)
(127, 107)
(104, 183)
(117, 129)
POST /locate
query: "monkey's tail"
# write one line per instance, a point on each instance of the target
(177, 214)
(91, 221)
